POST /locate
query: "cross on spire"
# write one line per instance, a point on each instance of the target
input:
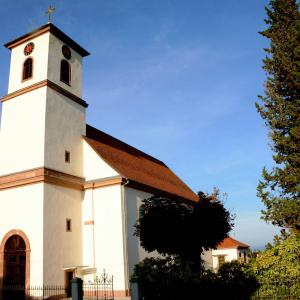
(49, 12)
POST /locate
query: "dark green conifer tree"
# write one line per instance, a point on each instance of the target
(279, 188)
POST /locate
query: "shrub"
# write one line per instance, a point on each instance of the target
(170, 278)
(237, 279)
(277, 268)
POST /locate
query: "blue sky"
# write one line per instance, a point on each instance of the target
(177, 79)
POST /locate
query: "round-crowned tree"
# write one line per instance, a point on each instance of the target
(175, 226)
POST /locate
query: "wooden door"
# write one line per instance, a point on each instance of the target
(14, 268)
(14, 261)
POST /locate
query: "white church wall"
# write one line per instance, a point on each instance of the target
(94, 166)
(22, 132)
(62, 249)
(37, 127)
(24, 211)
(55, 57)
(108, 238)
(88, 232)
(47, 56)
(133, 200)
(65, 125)
(40, 61)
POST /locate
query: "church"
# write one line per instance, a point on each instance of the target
(69, 193)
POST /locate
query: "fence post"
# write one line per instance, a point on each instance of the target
(135, 291)
(77, 289)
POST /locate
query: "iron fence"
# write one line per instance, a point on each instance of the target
(51, 292)
(100, 289)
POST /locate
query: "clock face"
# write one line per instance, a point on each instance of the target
(66, 52)
(28, 48)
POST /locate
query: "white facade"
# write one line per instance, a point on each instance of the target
(40, 57)
(53, 69)
(19, 200)
(64, 128)
(228, 255)
(77, 215)
(103, 240)
(132, 200)
(94, 167)
(61, 248)
(23, 127)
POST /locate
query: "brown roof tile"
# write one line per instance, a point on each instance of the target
(231, 243)
(136, 165)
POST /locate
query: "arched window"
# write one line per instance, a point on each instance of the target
(65, 72)
(27, 69)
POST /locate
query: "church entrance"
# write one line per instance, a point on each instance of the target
(14, 268)
(14, 261)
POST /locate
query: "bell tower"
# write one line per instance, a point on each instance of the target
(41, 153)
(43, 114)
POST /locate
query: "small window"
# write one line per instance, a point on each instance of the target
(68, 225)
(27, 69)
(65, 72)
(67, 156)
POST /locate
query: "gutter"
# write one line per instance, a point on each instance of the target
(124, 233)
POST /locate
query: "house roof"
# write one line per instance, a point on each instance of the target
(138, 167)
(47, 28)
(229, 242)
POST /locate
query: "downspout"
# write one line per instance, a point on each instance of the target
(124, 229)
(93, 233)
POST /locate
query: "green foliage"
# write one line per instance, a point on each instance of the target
(212, 221)
(279, 189)
(239, 279)
(178, 227)
(277, 268)
(282, 261)
(171, 278)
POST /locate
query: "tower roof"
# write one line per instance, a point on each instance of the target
(142, 170)
(52, 29)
